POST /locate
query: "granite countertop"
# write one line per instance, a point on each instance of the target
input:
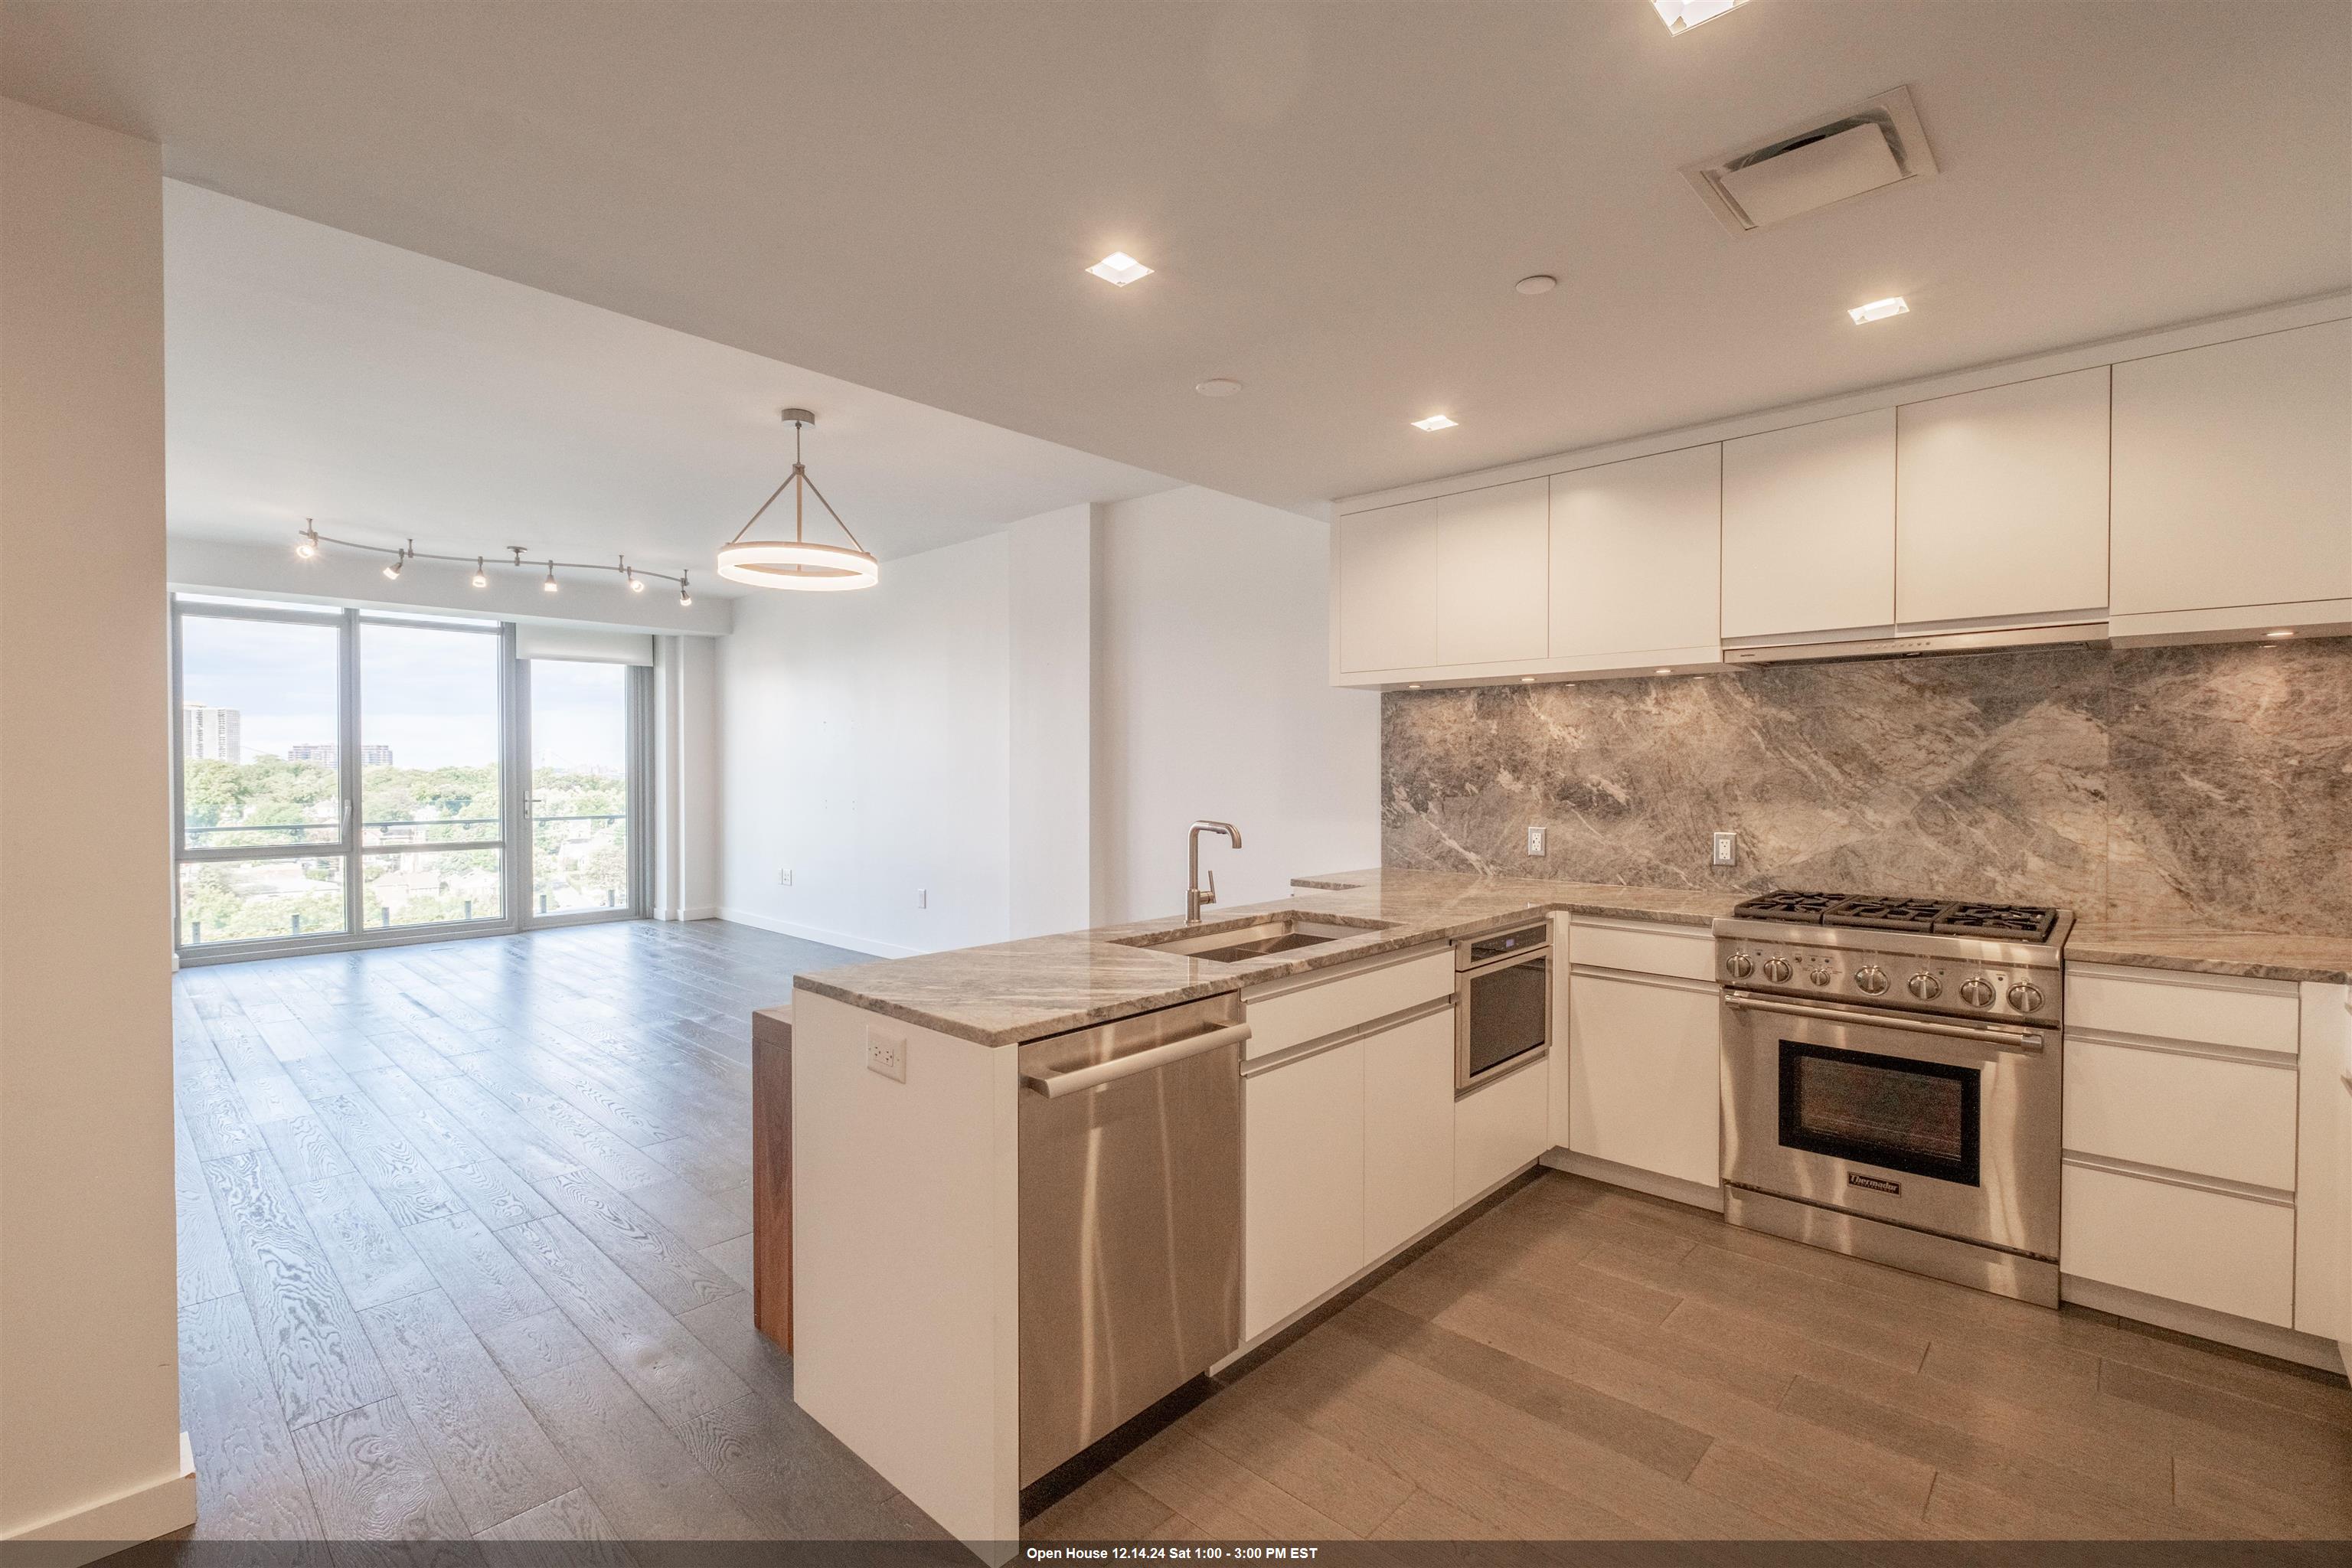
(2264, 956)
(1012, 991)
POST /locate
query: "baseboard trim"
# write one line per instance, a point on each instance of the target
(87, 1534)
(872, 946)
(2203, 1323)
(1672, 1188)
(691, 912)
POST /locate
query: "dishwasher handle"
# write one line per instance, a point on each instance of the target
(1054, 1085)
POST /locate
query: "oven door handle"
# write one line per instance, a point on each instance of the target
(2025, 1041)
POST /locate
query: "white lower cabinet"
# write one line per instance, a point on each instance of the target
(2183, 1242)
(1408, 1130)
(1303, 1183)
(1646, 1085)
(1499, 1127)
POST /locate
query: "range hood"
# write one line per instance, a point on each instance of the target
(1910, 645)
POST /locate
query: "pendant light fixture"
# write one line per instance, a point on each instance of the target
(795, 563)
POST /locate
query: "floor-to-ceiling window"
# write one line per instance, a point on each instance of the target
(347, 777)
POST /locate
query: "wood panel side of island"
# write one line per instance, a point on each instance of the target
(771, 1174)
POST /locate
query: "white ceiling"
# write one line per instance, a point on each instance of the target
(311, 373)
(1337, 198)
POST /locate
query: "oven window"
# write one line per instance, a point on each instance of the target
(1905, 1115)
(1507, 1013)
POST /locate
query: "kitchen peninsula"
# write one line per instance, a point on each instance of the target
(908, 1107)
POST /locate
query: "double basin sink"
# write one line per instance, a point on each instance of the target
(1254, 939)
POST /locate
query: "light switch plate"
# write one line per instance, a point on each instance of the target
(1726, 851)
(885, 1053)
(1534, 840)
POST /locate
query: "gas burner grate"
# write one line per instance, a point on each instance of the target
(1887, 914)
(1788, 904)
(2027, 921)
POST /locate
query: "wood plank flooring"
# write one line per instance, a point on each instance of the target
(464, 1253)
(464, 1233)
(1579, 1361)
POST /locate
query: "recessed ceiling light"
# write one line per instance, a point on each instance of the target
(1119, 268)
(1879, 309)
(1217, 386)
(2283, 632)
(1682, 15)
(1541, 283)
(1434, 422)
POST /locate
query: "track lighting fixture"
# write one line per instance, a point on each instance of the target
(310, 544)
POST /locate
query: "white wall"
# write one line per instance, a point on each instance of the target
(89, 1398)
(864, 743)
(1051, 615)
(686, 778)
(1213, 698)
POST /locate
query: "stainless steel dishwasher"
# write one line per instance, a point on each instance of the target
(1130, 1242)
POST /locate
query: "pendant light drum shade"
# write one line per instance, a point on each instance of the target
(795, 563)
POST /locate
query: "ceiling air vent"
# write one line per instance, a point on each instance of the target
(1865, 148)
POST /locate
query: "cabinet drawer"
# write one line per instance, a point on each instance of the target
(2208, 1248)
(1686, 952)
(2204, 1115)
(1291, 1017)
(1499, 1127)
(2201, 1009)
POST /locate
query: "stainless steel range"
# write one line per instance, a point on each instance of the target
(1890, 1081)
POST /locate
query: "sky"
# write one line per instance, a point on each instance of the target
(432, 696)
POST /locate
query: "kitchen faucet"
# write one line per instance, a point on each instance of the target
(1193, 897)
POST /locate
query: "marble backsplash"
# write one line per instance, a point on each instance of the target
(2208, 786)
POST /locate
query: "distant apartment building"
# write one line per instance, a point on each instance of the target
(210, 733)
(325, 755)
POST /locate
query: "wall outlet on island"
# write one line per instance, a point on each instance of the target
(1534, 840)
(885, 1053)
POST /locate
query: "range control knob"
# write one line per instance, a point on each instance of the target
(1977, 991)
(1870, 980)
(2025, 996)
(1819, 974)
(1740, 965)
(1776, 971)
(1926, 987)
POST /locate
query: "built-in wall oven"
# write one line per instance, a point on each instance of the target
(1502, 1001)
(1923, 1131)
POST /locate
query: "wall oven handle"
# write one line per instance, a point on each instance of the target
(2026, 1040)
(1054, 1085)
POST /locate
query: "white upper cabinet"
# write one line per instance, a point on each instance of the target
(2001, 501)
(2233, 474)
(1637, 559)
(1388, 588)
(1809, 527)
(1491, 550)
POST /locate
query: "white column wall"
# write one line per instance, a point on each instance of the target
(1051, 627)
(686, 778)
(89, 1398)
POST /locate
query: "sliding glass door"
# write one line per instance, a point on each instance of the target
(346, 778)
(583, 729)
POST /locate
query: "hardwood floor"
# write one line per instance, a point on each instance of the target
(1579, 1362)
(465, 1249)
(464, 1253)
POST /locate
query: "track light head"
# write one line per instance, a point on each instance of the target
(481, 577)
(550, 585)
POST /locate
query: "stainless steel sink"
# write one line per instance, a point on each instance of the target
(1258, 938)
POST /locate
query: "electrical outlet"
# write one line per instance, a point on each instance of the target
(784, 876)
(885, 1053)
(1534, 840)
(1726, 851)
(923, 898)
